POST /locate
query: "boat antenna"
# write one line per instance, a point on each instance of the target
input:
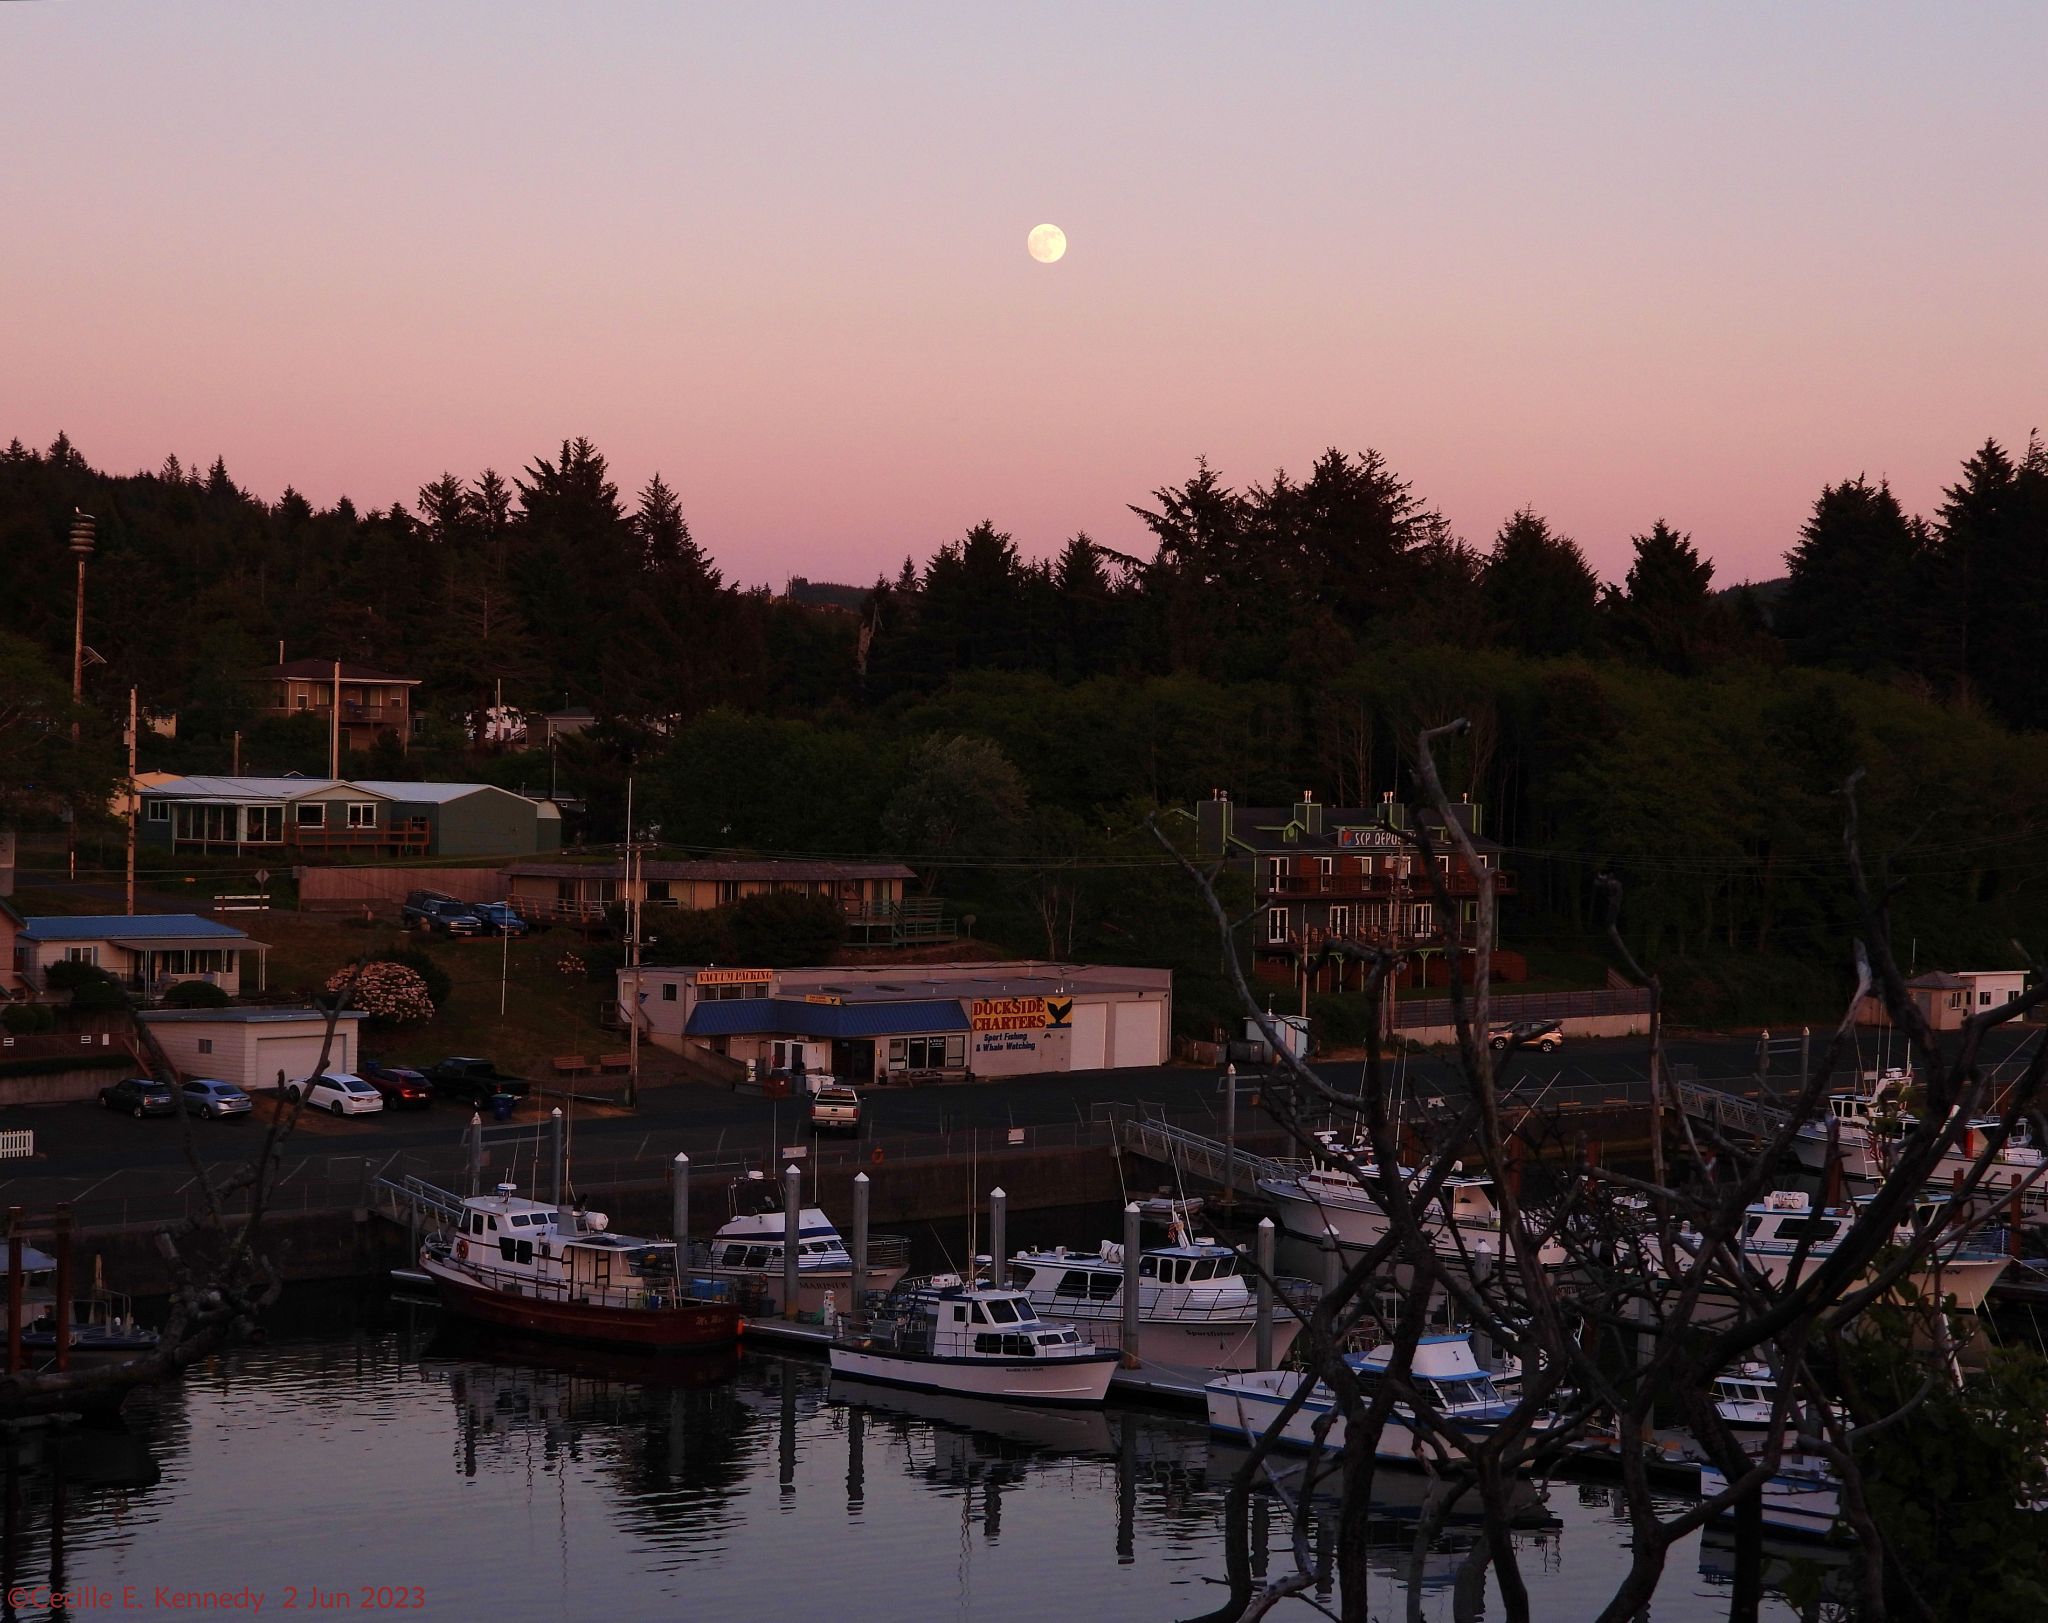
(973, 1207)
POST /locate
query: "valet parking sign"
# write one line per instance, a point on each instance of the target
(1015, 1024)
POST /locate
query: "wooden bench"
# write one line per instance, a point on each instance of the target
(615, 1062)
(573, 1065)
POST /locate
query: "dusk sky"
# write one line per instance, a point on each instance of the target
(1614, 262)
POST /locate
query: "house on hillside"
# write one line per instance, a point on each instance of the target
(1326, 874)
(297, 818)
(373, 704)
(1948, 998)
(145, 953)
(865, 891)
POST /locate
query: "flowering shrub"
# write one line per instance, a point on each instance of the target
(571, 965)
(386, 991)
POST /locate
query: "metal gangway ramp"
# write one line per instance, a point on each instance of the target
(1732, 1113)
(1197, 1155)
(406, 1199)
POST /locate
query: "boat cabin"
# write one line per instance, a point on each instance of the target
(1443, 1371)
(530, 1247)
(944, 1317)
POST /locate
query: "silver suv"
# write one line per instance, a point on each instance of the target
(431, 910)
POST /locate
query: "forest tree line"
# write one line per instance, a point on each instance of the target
(1007, 723)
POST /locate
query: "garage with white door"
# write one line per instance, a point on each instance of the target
(1139, 1035)
(249, 1047)
(1091, 1036)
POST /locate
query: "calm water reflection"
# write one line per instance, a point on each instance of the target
(532, 1484)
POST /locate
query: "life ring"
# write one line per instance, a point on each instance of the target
(875, 1156)
(462, 1249)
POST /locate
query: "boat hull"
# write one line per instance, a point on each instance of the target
(1800, 1507)
(1070, 1381)
(1242, 1409)
(688, 1324)
(1194, 1343)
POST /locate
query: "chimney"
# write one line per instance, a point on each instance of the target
(1308, 812)
(1213, 824)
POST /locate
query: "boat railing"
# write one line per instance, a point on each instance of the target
(1290, 1295)
(656, 1294)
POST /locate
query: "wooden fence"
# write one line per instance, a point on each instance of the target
(350, 889)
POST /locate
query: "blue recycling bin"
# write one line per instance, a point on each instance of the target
(501, 1106)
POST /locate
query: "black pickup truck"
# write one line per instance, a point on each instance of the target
(474, 1080)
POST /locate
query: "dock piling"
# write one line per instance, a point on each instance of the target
(861, 1189)
(1263, 1253)
(1133, 1249)
(998, 1226)
(1230, 1138)
(792, 1230)
(679, 1212)
(64, 1288)
(561, 1147)
(14, 1283)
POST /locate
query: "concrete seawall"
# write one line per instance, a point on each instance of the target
(351, 1242)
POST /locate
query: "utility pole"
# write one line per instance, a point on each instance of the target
(134, 802)
(633, 958)
(334, 727)
(84, 532)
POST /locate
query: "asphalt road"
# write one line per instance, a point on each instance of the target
(80, 1139)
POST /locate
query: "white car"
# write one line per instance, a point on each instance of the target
(342, 1093)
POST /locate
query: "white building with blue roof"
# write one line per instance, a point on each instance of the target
(145, 953)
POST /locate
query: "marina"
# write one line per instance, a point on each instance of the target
(641, 1488)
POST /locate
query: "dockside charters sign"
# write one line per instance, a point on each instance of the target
(1008, 1014)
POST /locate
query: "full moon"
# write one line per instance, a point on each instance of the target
(1047, 243)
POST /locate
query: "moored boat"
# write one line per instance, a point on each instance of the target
(102, 1330)
(550, 1271)
(1785, 1237)
(940, 1333)
(1444, 1370)
(1802, 1498)
(747, 1252)
(1195, 1308)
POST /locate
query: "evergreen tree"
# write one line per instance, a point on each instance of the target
(1665, 613)
(1849, 583)
(1540, 593)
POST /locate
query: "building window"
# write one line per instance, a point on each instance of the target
(206, 1045)
(668, 991)
(1326, 866)
(1276, 926)
(1276, 872)
(728, 891)
(362, 814)
(300, 700)
(1340, 921)
(1983, 997)
(81, 955)
(262, 825)
(157, 811)
(312, 813)
(927, 1053)
(1420, 918)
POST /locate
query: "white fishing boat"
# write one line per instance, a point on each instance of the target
(1324, 1200)
(1196, 1309)
(1444, 1371)
(940, 1333)
(1802, 1498)
(747, 1252)
(1785, 1238)
(1870, 1124)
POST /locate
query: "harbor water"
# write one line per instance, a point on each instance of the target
(371, 1457)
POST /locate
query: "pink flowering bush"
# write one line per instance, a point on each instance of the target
(387, 992)
(572, 965)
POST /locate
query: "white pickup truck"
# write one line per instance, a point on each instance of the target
(835, 1110)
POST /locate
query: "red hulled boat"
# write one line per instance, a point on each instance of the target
(552, 1271)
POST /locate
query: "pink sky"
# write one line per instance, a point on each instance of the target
(1611, 264)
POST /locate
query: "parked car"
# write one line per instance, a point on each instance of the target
(835, 1110)
(403, 1087)
(140, 1096)
(498, 918)
(436, 911)
(475, 1081)
(341, 1093)
(1548, 1035)
(207, 1096)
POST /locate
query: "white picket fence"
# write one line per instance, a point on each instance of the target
(17, 1143)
